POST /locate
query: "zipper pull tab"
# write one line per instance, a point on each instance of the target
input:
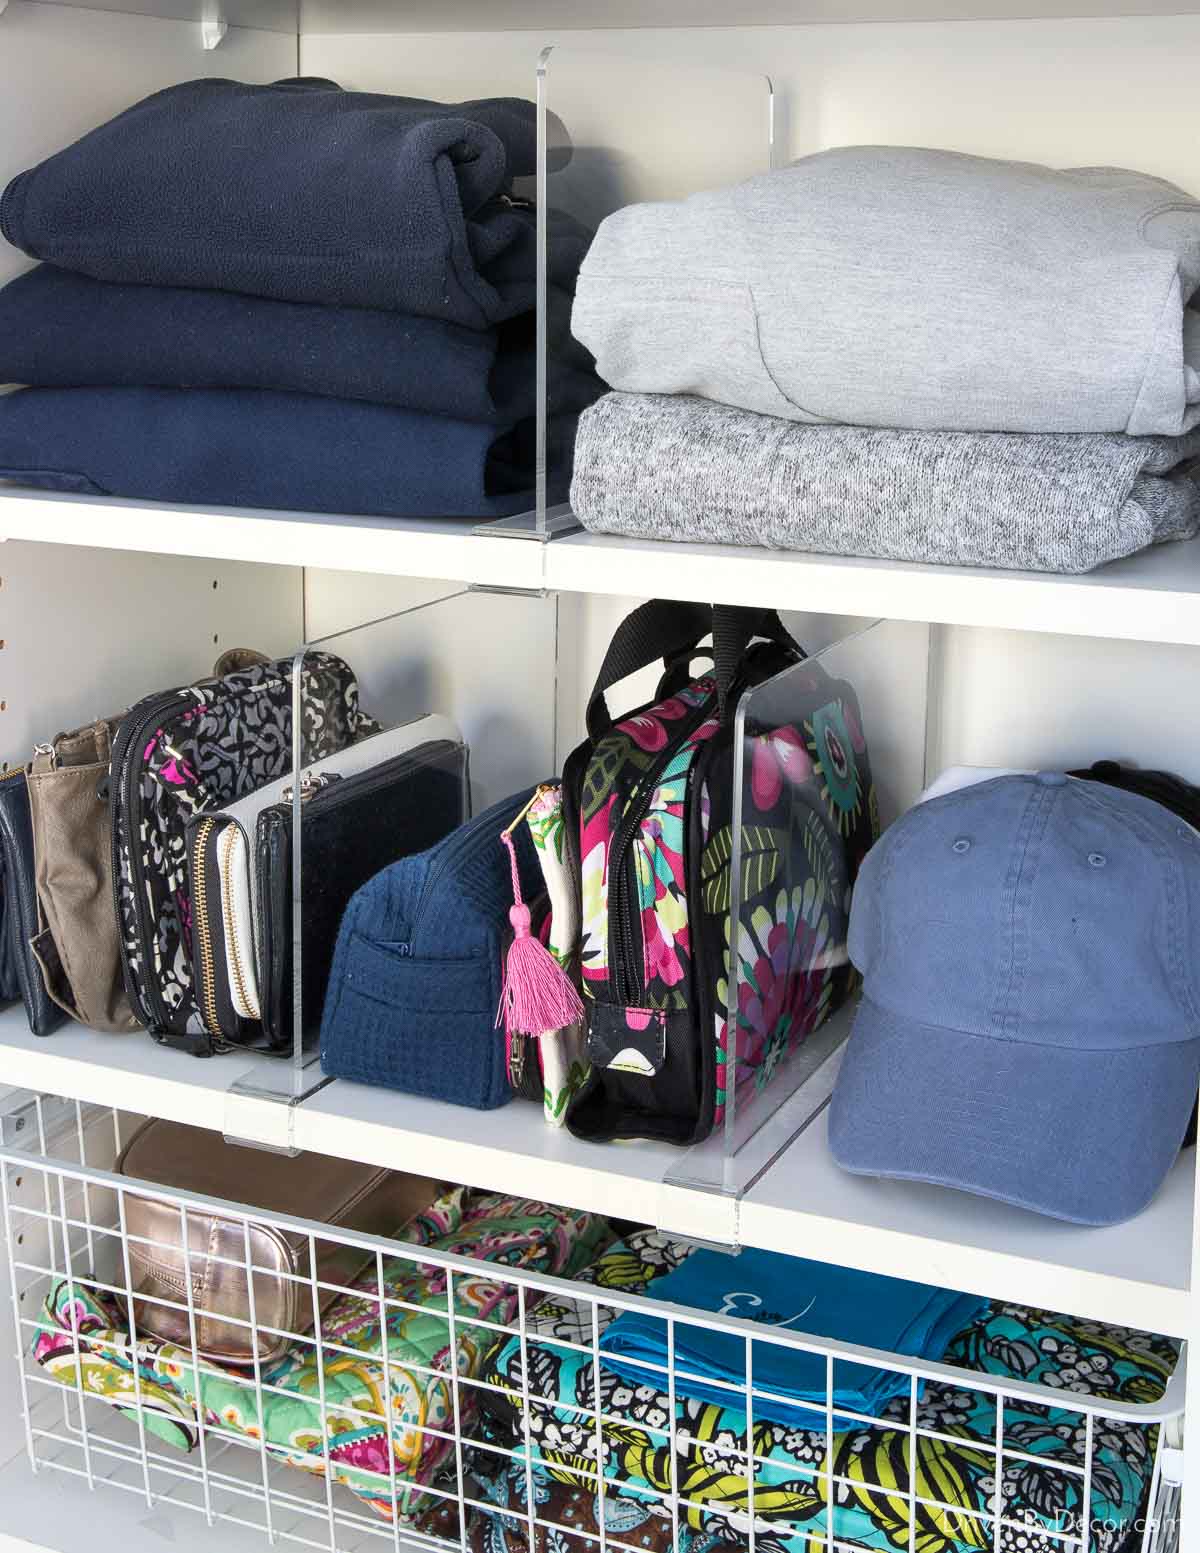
(104, 786)
(49, 752)
(310, 786)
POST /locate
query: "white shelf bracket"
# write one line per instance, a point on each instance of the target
(212, 29)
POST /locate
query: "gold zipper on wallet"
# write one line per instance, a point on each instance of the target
(208, 1001)
(232, 947)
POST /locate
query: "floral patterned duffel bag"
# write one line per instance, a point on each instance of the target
(707, 958)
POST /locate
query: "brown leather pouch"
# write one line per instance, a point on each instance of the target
(78, 946)
(285, 1271)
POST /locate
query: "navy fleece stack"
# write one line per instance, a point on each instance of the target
(331, 310)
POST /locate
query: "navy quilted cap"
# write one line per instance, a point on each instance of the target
(415, 985)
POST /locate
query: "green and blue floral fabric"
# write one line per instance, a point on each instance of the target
(1041, 1495)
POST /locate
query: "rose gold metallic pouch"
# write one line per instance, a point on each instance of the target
(336, 1192)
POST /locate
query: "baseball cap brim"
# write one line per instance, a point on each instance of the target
(1086, 1136)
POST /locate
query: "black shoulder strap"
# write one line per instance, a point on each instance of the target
(669, 629)
(662, 628)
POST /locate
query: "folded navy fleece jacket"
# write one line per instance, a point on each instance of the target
(302, 192)
(254, 448)
(61, 330)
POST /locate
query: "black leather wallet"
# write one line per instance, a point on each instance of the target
(10, 976)
(21, 920)
(351, 829)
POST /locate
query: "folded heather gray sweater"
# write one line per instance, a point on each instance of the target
(676, 467)
(891, 286)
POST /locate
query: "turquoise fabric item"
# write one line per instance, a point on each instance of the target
(788, 1292)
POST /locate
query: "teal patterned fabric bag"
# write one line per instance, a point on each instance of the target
(1042, 1501)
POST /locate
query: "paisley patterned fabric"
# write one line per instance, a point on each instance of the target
(385, 1386)
(569, 1515)
(790, 1500)
(207, 747)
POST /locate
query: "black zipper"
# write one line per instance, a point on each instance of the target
(702, 996)
(148, 1002)
(629, 982)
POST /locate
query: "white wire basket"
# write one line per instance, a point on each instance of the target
(481, 1445)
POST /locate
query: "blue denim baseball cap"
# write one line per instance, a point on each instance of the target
(1030, 1025)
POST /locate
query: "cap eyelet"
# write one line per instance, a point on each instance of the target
(1097, 859)
(962, 845)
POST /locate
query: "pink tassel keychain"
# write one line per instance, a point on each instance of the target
(538, 996)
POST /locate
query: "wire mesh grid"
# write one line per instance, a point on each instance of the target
(450, 1444)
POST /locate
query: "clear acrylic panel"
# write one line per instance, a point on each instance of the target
(449, 727)
(614, 129)
(824, 753)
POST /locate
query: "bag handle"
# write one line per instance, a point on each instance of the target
(670, 628)
(234, 659)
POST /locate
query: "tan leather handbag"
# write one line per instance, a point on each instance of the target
(78, 947)
(336, 1192)
(78, 943)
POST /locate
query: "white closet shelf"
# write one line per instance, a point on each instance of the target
(346, 16)
(1151, 597)
(795, 1198)
(387, 16)
(439, 548)
(1134, 1274)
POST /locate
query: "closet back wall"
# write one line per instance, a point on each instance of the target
(1069, 92)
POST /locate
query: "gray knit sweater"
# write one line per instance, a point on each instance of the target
(677, 467)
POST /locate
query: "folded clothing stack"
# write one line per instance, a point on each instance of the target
(289, 296)
(902, 353)
(865, 1309)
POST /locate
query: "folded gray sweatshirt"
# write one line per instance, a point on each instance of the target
(662, 467)
(890, 286)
